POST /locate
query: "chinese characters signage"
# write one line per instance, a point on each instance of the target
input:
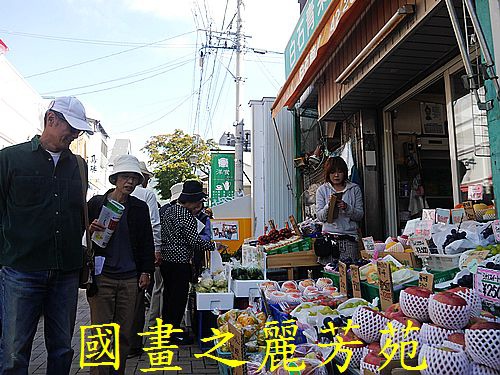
(222, 178)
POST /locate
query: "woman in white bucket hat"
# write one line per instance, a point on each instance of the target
(129, 255)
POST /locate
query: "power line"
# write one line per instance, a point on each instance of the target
(107, 56)
(88, 41)
(136, 81)
(155, 68)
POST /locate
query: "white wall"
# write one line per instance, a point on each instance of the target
(22, 108)
(272, 199)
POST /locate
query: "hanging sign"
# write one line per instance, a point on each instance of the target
(458, 215)
(221, 178)
(385, 284)
(426, 280)
(469, 210)
(443, 215)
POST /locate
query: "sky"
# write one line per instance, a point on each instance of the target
(136, 66)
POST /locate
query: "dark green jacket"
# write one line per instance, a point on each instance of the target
(41, 223)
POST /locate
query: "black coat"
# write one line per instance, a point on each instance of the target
(140, 231)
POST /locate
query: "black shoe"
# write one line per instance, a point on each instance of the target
(181, 340)
(134, 353)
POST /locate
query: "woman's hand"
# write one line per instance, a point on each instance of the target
(144, 280)
(95, 226)
(342, 205)
(157, 258)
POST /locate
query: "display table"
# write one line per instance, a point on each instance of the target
(291, 260)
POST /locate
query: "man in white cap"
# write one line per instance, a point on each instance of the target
(148, 196)
(41, 228)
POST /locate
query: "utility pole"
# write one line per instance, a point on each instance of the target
(239, 132)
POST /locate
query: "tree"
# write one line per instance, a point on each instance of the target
(176, 156)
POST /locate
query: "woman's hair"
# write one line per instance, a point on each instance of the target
(335, 164)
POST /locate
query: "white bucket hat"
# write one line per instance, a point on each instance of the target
(144, 169)
(73, 111)
(175, 191)
(124, 164)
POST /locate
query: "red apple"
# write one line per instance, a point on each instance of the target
(486, 325)
(450, 299)
(457, 338)
(373, 359)
(418, 291)
(393, 311)
(374, 347)
(404, 321)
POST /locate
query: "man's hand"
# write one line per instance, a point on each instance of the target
(144, 280)
(95, 226)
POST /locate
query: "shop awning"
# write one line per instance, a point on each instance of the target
(337, 20)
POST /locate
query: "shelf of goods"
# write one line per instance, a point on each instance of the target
(291, 260)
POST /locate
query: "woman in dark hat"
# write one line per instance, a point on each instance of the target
(180, 240)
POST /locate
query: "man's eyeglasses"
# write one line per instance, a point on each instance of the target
(126, 176)
(60, 116)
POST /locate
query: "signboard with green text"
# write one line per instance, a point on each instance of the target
(221, 177)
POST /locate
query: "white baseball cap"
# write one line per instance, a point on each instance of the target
(73, 111)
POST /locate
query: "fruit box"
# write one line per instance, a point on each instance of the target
(408, 259)
(245, 288)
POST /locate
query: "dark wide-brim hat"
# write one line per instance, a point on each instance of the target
(192, 191)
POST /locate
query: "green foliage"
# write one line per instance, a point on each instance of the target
(170, 155)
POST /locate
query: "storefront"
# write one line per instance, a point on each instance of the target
(388, 76)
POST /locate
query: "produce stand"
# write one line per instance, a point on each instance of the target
(292, 260)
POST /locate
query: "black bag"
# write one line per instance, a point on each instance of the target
(325, 246)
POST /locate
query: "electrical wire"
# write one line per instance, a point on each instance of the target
(132, 82)
(106, 56)
(136, 74)
(88, 41)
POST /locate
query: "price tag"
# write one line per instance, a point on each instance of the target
(426, 280)
(356, 281)
(469, 210)
(475, 192)
(385, 284)
(429, 214)
(236, 348)
(343, 278)
(271, 224)
(423, 229)
(458, 215)
(479, 256)
(487, 284)
(496, 230)
(420, 247)
(442, 215)
(295, 226)
(369, 243)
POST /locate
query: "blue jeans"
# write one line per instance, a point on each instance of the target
(24, 296)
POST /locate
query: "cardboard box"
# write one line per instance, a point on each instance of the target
(212, 301)
(408, 259)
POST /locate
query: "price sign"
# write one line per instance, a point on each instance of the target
(295, 226)
(343, 278)
(426, 280)
(479, 256)
(443, 215)
(356, 281)
(469, 210)
(423, 229)
(420, 247)
(385, 284)
(475, 192)
(487, 284)
(429, 214)
(457, 215)
(369, 243)
(496, 230)
(236, 348)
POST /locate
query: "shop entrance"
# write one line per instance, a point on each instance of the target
(436, 146)
(421, 152)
